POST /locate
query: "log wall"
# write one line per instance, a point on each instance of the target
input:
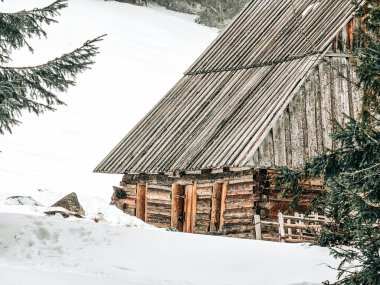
(158, 205)
(217, 206)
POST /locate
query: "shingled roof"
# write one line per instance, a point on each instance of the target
(227, 101)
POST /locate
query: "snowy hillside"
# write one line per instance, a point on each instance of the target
(144, 54)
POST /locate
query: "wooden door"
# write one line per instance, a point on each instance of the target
(184, 199)
(178, 207)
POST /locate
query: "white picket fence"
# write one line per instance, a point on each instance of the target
(297, 228)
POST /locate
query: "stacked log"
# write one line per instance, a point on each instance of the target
(203, 208)
(271, 199)
(124, 197)
(239, 209)
(158, 205)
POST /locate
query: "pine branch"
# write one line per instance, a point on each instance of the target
(17, 28)
(32, 88)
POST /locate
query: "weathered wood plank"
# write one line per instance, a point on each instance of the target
(140, 201)
(204, 191)
(188, 208)
(193, 207)
(157, 188)
(296, 109)
(239, 215)
(279, 144)
(223, 204)
(311, 121)
(177, 208)
(326, 101)
(215, 206)
(266, 151)
(154, 195)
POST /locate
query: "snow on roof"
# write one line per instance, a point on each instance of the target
(309, 8)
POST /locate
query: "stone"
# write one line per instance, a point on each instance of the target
(71, 203)
(22, 201)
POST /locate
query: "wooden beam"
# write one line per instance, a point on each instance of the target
(257, 227)
(193, 172)
(350, 31)
(215, 206)
(290, 233)
(193, 207)
(281, 228)
(334, 54)
(174, 216)
(140, 201)
(188, 208)
(223, 204)
(146, 203)
(235, 169)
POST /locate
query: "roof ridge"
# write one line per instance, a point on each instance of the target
(257, 64)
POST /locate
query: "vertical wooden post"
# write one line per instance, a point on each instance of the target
(257, 226)
(350, 30)
(215, 207)
(175, 211)
(193, 207)
(297, 221)
(140, 200)
(289, 221)
(188, 208)
(302, 216)
(146, 203)
(281, 228)
(223, 204)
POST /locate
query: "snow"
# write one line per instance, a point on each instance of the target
(310, 8)
(120, 249)
(21, 200)
(146, 51)
(80, 251)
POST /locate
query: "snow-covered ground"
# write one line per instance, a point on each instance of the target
(38, 250)
(145, 53)
(36, 202)
(120, 249)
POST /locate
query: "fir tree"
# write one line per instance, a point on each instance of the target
(212, 13)
(34, 88)
(352, 171)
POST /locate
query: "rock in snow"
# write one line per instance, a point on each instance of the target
(70, 202)
(22, 200)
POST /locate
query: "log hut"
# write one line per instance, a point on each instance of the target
(264, 94)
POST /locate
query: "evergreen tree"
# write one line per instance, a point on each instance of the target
(218, 13)
(352, 171)
(212, 13)
(34, 88)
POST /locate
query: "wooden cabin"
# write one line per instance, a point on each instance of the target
(263, 95)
